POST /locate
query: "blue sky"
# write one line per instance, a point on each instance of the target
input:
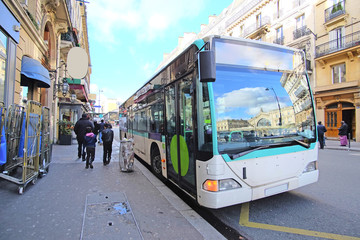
(128, 38)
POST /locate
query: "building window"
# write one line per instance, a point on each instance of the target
(339, 73)
(279, 36)
(336, 38)
(3, 60)
(258, 20)
(278, 14)
(300, 22)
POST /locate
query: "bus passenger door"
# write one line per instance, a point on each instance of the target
(179, 100)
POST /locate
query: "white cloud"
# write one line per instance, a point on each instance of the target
(252, 100)
(149, 18)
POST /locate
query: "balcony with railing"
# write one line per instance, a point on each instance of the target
(338, 44)
(300, 32)
(279, 40)
(334, 11)
(258, 28)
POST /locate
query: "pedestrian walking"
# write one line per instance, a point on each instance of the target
(343, 131)
(96, 128)
(101, 128)
(80, 131)
(107, 138)
(321, 134)
(90, 144)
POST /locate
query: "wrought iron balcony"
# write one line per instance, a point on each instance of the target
(279, 40)
(257, 27)
(300, 32)
(335, 11)
(70, 36)
(338, 44)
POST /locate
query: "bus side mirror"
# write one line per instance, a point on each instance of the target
(207, 66)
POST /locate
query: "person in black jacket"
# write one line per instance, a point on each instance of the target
(107, 137)
(80, 131)
(343, 131)
(321, 134)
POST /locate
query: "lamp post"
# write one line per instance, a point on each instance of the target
(277, 100)
(100, 91)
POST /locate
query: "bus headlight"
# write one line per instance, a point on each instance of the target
(220, 185)
(312, 166)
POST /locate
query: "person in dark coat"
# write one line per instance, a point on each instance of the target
(96, 128)
(321, 134)
(343, 131)
(107, 138)
(101, 128)
(80, 131)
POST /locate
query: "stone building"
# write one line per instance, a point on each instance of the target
(337, 91)
(36, 36)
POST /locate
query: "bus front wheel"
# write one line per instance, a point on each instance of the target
(156, 164)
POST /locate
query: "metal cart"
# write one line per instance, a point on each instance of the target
(14, 126)
(45, 143)
(126, 159)
(29, 144)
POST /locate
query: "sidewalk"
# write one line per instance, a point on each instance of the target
(335, 145)
(72, 202)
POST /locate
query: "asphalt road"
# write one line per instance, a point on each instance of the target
(328, 209)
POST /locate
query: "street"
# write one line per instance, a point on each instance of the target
(328, 209)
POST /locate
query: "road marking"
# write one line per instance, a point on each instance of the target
(244, 221)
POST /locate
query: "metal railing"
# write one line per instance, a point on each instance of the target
(256, 26)
(338, 44)
(298, 33)
(279, 40)
(242, 11)
(335, 11)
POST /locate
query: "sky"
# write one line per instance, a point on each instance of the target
(128, 38)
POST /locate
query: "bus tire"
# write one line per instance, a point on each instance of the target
(156, 163)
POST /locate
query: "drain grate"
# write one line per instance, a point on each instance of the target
(109, 216)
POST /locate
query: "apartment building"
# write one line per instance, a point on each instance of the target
(337, 91)
(35, 37)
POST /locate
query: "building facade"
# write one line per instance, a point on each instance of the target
(337, 91)
(36, 36)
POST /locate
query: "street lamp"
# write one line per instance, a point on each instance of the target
(63, 87)
(277, 99)
(100, 91)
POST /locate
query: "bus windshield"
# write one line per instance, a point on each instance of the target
(262, 98)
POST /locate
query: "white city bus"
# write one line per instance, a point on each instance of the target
(228, 121)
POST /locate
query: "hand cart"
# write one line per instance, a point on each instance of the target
(29, 145)
(45, 143)
(126, 159)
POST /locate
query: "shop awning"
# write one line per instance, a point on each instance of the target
(32, 70)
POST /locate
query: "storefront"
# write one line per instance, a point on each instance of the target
(334, 107)
(71, 112)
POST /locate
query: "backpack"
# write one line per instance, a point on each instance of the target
(107, 135)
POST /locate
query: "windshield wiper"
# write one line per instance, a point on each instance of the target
(248, 151)
(306, 145)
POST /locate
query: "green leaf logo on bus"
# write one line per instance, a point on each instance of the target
(184, 155)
